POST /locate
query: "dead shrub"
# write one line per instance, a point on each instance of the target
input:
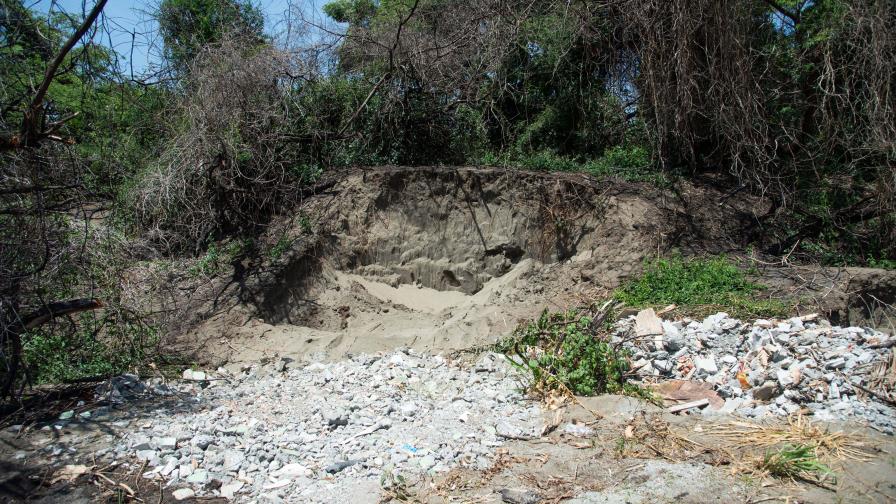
(228, 167)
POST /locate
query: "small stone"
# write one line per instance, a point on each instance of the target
(838, 363)
(183, 493)
(785, 378)
(519, 496)
(336, 419)
(165, 443)
(67, 415)
(577, 429)
(409, 409)
(766, 392)
(151, 456)
(336, 467)
(292, 471)
(229, 490)
(198, 476)
(233, 459)
(834, 391)
(706, 364)
(169, 468)
(427, 462)
(202, 441)
(663, 366)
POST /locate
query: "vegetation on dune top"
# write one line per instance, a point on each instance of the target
(699, 286)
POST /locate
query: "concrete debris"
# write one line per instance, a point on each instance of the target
(699, 403)
(327, 432)
(770, 368)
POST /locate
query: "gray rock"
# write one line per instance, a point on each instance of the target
(336, 467)
(427, 462)
(663, 366)
(838, 363)
(198, 476)
(233, 459)
(519, 496)
(165, 443)
(202, 441)
(336, 419)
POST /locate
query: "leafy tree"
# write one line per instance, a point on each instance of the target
(189, 25)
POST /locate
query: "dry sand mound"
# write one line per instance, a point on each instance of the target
(442, 259)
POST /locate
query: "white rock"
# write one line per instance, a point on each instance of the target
(706, 364)
(292, 471)
(183, 493)
(230, 489)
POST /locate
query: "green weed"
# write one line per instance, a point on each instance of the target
(217, 258)
(96, 346)
(569, 351)
(796, 462)
(699, 285)
(305, 223)
(395, 488)
(280, 247)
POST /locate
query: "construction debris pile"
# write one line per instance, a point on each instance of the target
(768, 367)
(328, 432)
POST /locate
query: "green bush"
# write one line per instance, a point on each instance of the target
(96, 346)
(631, 163)
(713, 283)
(565, 350)
(216, 259)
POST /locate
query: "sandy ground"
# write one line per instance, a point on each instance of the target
(361, 315)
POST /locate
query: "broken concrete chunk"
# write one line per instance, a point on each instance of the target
(183, 493)
(648, 324)
(706, 364)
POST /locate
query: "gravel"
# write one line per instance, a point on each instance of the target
(328, 432)
(336, 432)
(800, 364)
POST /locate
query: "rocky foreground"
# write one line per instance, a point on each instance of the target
(341, 432)
(330, 432)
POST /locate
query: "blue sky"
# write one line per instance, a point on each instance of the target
(129, 20)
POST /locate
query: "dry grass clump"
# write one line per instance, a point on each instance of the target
(829, 445)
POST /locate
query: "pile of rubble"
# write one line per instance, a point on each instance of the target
(329, 432)
(771, 367)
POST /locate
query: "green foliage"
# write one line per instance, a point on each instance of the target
(698, 283)
(350, 11)
(279, 248)
(395, 487)
(218, 259)
(630, 163)
(187, 26)
(97, 346)
(565, 351)
(796, 462)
